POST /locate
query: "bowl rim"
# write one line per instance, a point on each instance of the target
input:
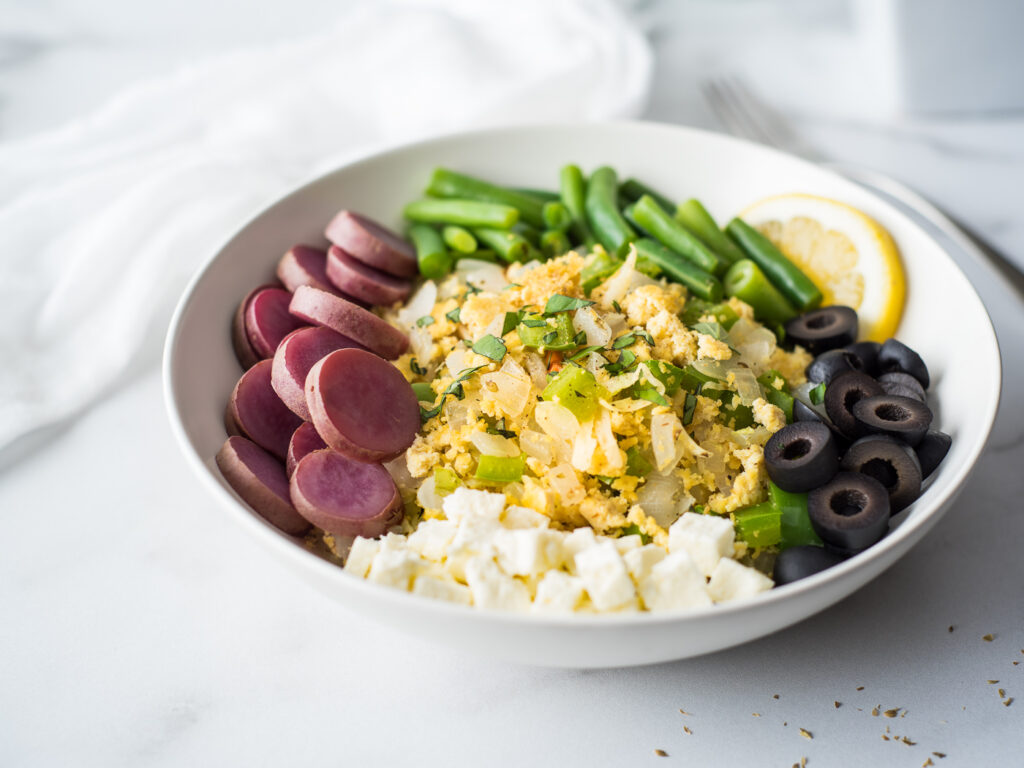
(302, 557)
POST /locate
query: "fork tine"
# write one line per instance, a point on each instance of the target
(723, 104)
(738, 97)
(772, 124)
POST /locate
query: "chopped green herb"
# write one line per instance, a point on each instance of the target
(634, 530)
(425, 320)
(817, 394)
(455, 388)
(649, 393)
(645, 336)
(688, 408)
(471, 289)
(499, 429)
(584, 352)
(580, 339)
(511, 321)
(510, 286)
(550, 338)
(455, 315)
(559, 303)
(416, 368)
(624, 341)
(534, 322)
(616, 307)
(623, 364)
(491, 346)
(714, 330)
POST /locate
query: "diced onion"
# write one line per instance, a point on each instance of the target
(617, 322)
(746, 385)
(421, 303)
(716, 369)
(508, 387)
(664, 427)
(538, 371)
(662, 498)
(399, 470)
(456, 361)
(427, 495)
(583, 446)
(559, 424)
(482, 274)
(606, 439)
(593, 325)
(563, 481)
(494, 445)
(623, 380)
(421, 344)
(754, 342)
(536, 445)
(615, 288)
(626, 405)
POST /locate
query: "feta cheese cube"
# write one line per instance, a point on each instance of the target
(360, 556)
(575, 542)
(441, 588)
(527, 552)
(524, 517)
(393, 542)
(394, 568)
(705, 538)
(674, 582)
(474, 536)
(465, 502)
(558, 592)
(431, 538)
(605, 576)
(733, 581)
(491, 588)
(626, 543)
(640, 561)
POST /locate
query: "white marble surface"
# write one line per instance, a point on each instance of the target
(139, 629)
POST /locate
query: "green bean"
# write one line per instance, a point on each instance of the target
(574, 193)
(612, 231)
(698, 281)
(746, 281)
(459, 239)
(697, 220)
(434, 261)
(532, 234)
(541, 194)
(654, 219)
(633, 190)
(446, 183)
(554, 242)
(509, 246)
(480, 254)
(787, 277)
(468, 213)
(557, 216)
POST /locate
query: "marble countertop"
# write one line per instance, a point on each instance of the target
(139, 628)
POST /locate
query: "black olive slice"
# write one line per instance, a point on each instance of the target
(903, 385)
(891, 462)
(823, 329)
(901, 417)
(845, 391)
(828, 365)
(801, 456)
(850, 513)
(867, 353)
(932, 450)
(804, 412)
(895, 356)
(795, 563)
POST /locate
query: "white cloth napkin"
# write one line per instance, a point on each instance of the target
(102, 222)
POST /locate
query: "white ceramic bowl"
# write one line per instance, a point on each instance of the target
(944, 320)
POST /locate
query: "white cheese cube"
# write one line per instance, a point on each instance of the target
(605, 576)
(575, 542)
(527, 552)
(441, 588)
(640, 561)
(474, 536)
(674, 582)
(524, 517)
(705, 538)
(625, 543)
(733, 581)
(491, 588)
(360, 556)
(558, 592)
(431, 538)
(394, 568)
(393, 542)
(465, 502)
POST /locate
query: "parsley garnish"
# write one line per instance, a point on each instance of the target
(585, 351)
(559, 303)
(650, 394)
(580, 339)
(425, 320)
(549, 338)
(688, 408)
(714, 330)
(616, 307)
(645, 336)
(534, 322)
(817, 394)
(624, 341)
(490, 346)
(511, 321)
(416, 368)
(624, 363)
(499, 429)
(471, 289)
(455, 315)
(455, 388)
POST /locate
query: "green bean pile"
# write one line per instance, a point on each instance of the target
(465, 217)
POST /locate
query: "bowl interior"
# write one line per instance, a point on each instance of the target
(944, 320)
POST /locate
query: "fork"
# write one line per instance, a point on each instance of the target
(745, 115)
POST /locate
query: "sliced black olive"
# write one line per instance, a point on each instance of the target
(845, 391)
(823, 329)
(801, 456)
(828, 365)
(931, 450)
(891, 462)
(895, 356)
(804, 412)
(795, 563)
(902, 417)
(902, 384)
(850, 513)
(867, 353)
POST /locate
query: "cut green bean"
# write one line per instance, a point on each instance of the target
(554, 242)
(509, 246)
(746, 281)
(795, 523)
(787, 277)
(556, 215)
(656, 220)
(700, 283)
(573, 194)
(466, 213)
(434, 261)
(633, 190)
(449, 184)
(541, 194)
(458, 239)
(606, 222)
(531, 234)
(692, 215)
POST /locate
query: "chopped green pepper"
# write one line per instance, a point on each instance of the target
(759, 525)
(734, 415)
(423, 391)
(795, 523)
(575, 388)
(556, 333)
(500, 469)
(778, 397)
(445, 480)
(696, 308)
(636, 463)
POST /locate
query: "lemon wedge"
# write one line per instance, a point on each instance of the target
(848, 255)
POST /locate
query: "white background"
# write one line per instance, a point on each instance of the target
(137, 628)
